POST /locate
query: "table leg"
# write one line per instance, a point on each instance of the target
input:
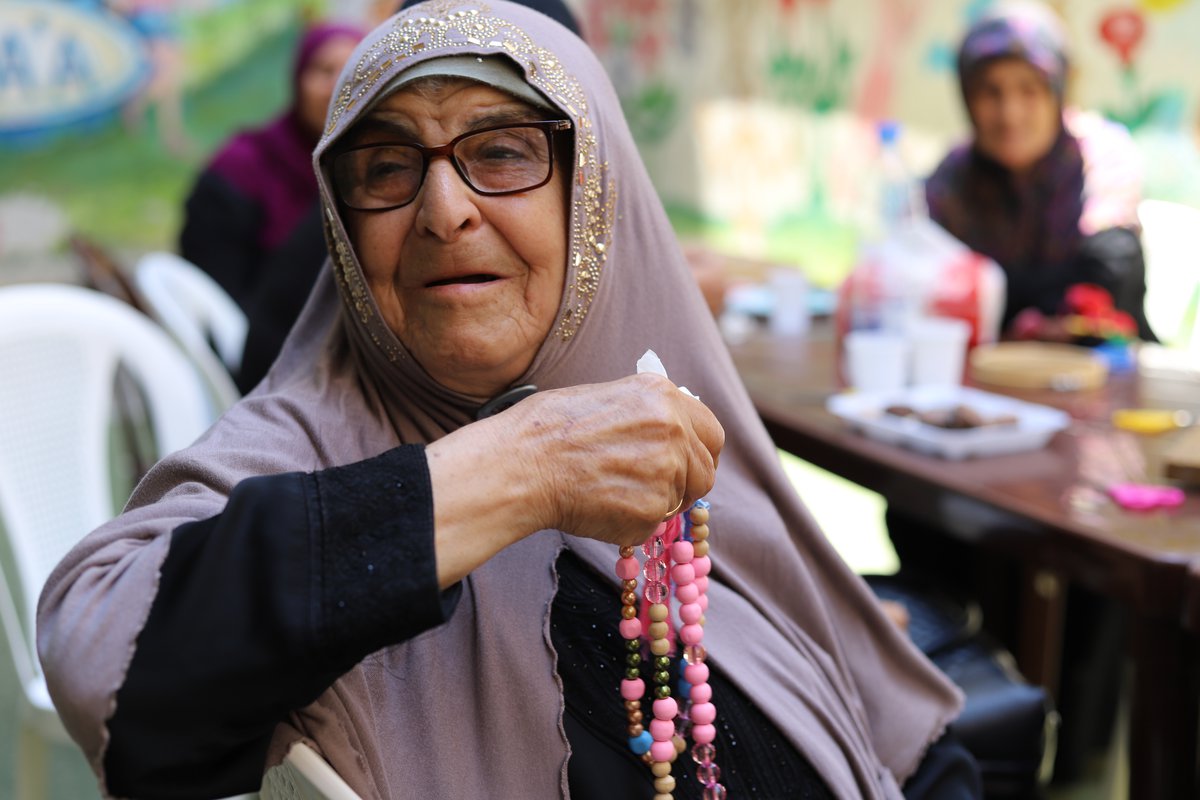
(1166, 700)
(1043, 608)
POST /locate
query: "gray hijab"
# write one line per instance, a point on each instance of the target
(474, 708)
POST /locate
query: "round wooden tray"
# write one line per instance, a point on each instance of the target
(1037, 365)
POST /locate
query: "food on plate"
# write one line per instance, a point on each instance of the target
(959, 417)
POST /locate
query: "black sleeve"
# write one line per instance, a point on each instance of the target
(259, 610)
(1113, 259)
(286, 281)
(220, 235)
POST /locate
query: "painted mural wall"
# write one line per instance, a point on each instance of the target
(757, 118)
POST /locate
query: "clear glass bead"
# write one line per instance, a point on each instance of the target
(714, 792)
(655, 571)
(654, 547)
(703, 752)
(708, 773)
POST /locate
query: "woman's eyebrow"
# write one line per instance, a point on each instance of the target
(374, 126)
(382, 125)
(505, 115)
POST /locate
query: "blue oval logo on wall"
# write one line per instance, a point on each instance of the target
(62, 64)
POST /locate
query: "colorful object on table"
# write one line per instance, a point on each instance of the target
(1088, 317)
(1150, 420)
(678, 553)
(1145, 496)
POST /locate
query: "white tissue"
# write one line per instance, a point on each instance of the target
(650, 362)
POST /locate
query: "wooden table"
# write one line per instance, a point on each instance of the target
(1048, 511)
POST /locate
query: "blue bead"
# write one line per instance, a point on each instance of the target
(684, 690)
(640, 744)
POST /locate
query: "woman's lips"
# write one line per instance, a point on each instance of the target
(478, 278)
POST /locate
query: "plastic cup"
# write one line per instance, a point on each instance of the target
(789, 313)
(938, 350)
(876, 361)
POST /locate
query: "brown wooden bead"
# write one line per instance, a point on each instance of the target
(700, 533)
(659, 612)
(661, 769)
(680, 744)
(700, 549)
(660, 647)
(698, 515)
(664, 785)
(628, 612)
(664, 797)
(657, 630)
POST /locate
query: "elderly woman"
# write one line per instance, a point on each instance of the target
(400, 546)
(1049, 193)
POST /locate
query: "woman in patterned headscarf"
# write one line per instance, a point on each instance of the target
(399, 546)
(1050, 193)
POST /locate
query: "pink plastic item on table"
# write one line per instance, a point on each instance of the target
(1144, 496)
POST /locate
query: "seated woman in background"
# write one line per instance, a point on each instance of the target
(1050, 193)
(259, 186)
(400, 546)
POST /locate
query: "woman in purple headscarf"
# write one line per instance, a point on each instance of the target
(1048, 192)
(260, 185)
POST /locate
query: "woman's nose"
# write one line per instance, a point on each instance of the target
(446, 205)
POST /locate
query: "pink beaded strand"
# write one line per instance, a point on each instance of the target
(633, 688)
(656, 593)
(661, 742)
(691, 586)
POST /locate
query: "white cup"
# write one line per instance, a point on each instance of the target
(876, 360)
(938, 348)
(789, 313)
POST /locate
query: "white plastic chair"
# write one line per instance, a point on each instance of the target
(304, 775)
(60, 347)
(1172, 271)
(201, 316)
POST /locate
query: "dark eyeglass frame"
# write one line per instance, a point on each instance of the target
(548, 127)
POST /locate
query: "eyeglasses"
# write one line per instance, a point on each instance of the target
(504, 159)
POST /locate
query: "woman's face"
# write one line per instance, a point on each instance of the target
(470, 284)
(318, 78)
(1015, 113)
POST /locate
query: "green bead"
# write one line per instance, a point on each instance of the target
(633, 673)
(633, 659)
(633, 645)
(662, 692)
(662, 676)
(662, 662)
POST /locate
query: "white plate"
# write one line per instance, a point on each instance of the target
(1034, 427)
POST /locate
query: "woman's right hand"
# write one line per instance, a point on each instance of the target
(611, 459)
(605, 461)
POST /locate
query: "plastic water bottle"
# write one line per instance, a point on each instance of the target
(900, 202)
(899, 199)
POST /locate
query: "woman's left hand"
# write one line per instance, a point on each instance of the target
(603, 461)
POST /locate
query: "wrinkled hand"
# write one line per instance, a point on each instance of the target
(608, 460)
